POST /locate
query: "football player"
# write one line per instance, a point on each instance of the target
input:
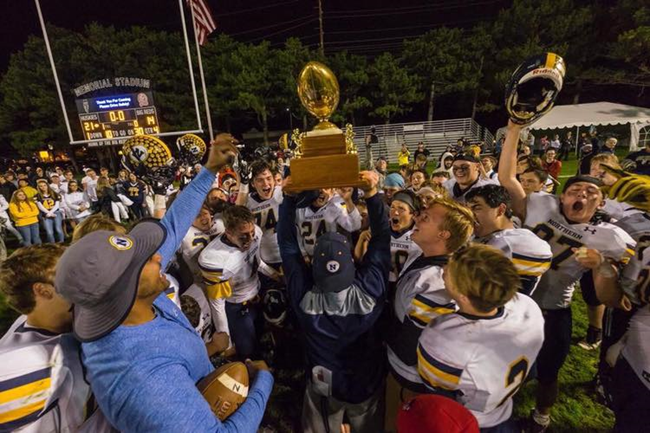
(578, 246)
(467, 176)
(491, 341)
(264, 202)
(327, 212)
(36, 396)
(197, 238)
(627, 296)
(630, 385)
(217, 202)
(229, 265)
(197, 309)
(402, 220)
(622, 215)
(530, 254)
(440, 229)
(533, 180)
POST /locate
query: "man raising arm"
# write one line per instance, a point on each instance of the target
(142, 355)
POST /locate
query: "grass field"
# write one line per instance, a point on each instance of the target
(576, 411)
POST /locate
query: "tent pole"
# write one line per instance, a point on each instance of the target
(576, 139)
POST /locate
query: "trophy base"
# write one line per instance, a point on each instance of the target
(331, 171)
(323, 143)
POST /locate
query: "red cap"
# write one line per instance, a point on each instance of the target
(435, 414)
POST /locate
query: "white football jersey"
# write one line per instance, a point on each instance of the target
(42, 384)
(455, 192)
(614, 209)
(637, 345)
(218, 226)
(545, 219)
(172, 292)
(482, 361)
(266, 216)
(229, 274)
(618, 210)
(312, 222)
(635, 278)
(420, 297)
(205, 328)
(193, 243)
(530, 254)
(635, 222)
(402, 250)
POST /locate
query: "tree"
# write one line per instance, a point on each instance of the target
(394, 88)
(291, 59)
(220, 78)
(30, 114)
(257, 84)
(625, 59)
(532, 27)
(441, 59)
(352, 73)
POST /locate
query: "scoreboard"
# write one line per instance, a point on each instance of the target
(117, 116)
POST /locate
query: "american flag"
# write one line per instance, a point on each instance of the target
(203, 22)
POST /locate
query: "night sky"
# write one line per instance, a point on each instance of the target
(361, 26)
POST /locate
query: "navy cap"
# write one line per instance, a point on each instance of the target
(582, 178)
(333, 266)
(466, 157)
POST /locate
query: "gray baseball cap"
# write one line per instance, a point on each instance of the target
(99, 275)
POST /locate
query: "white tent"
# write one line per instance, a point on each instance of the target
(597, 113)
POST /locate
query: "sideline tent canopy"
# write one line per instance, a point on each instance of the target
(597, 113)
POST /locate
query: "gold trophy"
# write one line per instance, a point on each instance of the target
(325, 157)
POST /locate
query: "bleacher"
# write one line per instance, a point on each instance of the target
(436, 135)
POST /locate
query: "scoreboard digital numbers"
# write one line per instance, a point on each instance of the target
(117, 116)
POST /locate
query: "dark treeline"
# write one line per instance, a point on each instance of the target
(446, 72)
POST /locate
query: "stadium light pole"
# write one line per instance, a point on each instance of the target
(56, 77)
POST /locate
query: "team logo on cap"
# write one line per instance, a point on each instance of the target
(332, 266)
(120, 242)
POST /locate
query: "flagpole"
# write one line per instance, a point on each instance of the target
(56, 77)
(205, 90)
(189, 64)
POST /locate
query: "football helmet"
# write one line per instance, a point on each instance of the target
(275, 307)
(533, 88)
(147, 152)
(191, 148)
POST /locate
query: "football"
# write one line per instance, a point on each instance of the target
(225, 389)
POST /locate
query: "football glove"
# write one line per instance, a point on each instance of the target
(633, 189)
